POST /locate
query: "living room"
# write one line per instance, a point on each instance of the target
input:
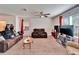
(37, 22)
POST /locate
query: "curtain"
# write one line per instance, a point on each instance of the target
(22, 26)
(60, 21)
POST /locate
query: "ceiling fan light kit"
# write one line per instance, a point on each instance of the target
(41, 14)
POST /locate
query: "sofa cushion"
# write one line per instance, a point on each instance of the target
(2, 38)
(72, 50)
(73, 44)
(10, 42)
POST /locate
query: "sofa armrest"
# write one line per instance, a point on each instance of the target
(3, 46)
(72, 44)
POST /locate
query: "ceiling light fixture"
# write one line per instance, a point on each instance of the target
(42, 16)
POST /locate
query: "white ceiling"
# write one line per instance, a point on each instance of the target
(16, 9)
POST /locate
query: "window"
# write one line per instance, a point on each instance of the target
(75, 22)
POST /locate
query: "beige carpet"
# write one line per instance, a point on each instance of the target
(40, 46)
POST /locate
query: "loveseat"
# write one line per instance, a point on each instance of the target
(39, 33)
(6, 44)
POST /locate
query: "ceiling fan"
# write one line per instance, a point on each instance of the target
(41, 14)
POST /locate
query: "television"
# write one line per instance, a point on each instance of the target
(67, 31)
(56, 28)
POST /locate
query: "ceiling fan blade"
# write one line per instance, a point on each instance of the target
(36, 15)
(47, 14)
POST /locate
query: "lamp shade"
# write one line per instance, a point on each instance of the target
(2, 25)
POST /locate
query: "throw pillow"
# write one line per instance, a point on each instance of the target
(12, 36)
(16, 34)
(1, 38)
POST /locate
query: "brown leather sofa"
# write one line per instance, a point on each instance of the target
(5, 45)
(39, 33)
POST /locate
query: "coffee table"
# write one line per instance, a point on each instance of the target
(27, 41)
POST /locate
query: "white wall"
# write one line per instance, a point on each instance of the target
(8, 19)
(41, 23)
(55, 21)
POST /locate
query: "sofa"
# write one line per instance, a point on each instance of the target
(6, 44)
(72, 48)
(9, 32)
(39, 33)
